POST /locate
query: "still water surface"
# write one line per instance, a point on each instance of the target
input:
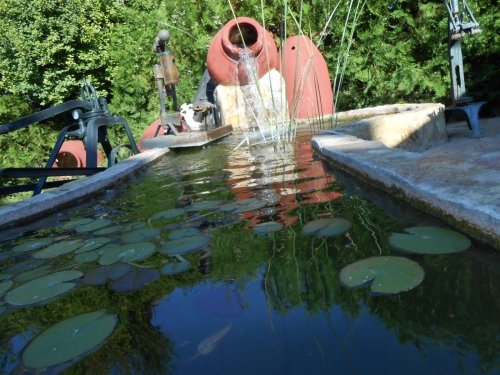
(262, 304)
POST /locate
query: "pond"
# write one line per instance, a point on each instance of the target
(175, 272)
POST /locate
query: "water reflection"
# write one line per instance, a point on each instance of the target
(268, 304)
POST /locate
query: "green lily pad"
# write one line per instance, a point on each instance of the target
(93, 244)
(89, 256)
(134, 280)
(93, 225)
(141, 234)
(32, 245)
(245, 205)
(42, 289)
(127, 253)
(328, 227)
(69, 340)
(174, 268)
(33, 274)
(102, 274)
(429, 240)
(204, 205)
(184, 245)
(5, 276)
(76, 222)
(26, 265)
(109, 230)
(269, 227)
(59, 248)
(5, 286)
(183, 232)
(385, 274)
(168, 214)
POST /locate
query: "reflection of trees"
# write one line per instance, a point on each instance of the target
(457, 305)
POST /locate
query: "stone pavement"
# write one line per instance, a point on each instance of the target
(457, 181)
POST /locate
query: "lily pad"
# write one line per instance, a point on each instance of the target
(76, 222)
(141, 234)
(174, 268)
(93, 225)
(328, 227)
(429, 240)
(385, 274)
(127, 253)
(26, 265)
(5, 276)
(89, 256)
(269, 227)
(59, 248)
(184, 245)
(168, 214)
(70, 339)
(42, 289)
(204, 205)
(245, 205)
(109, 230)
(33, 274)
(135, 280)
(93, 244)
(5, 286)
(32, 245)
(102, 274)
(183, 232)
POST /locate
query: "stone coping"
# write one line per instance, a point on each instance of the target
(456, 181)
(68, 194)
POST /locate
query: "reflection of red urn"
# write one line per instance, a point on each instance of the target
(228, 44)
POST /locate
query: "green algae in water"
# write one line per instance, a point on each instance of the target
(185, 245)
(328, 227)
(33, 245)
(42, 289)
(384, 274)
(429, 240)
(127, 253)
(59, 248)
(269, 227)
(69, 340)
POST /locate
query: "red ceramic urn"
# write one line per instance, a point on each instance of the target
(239, 36)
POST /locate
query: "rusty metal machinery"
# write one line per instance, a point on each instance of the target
(85, 119)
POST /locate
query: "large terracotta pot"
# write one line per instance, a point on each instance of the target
(307, 81)
(225, 51)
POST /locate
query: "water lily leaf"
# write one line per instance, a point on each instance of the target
(42, 289)
(127, 253)
(327, 227)
(5, 286)
(141, 234)
(109, 230)
(168, 214)
(89, 256)
(183, 232)
(102, 274)
(33, 274)
(135, 280)
(174, 268)
(93, 244)
(184, 245)
(385, 274)
(269, 227)
(32, 245)
(93, 225)
(204, 205)
(59, 248)
(68, 340)
(26, 265)
(429, 240)
(76, 222)
(5, 276)
(245, 205)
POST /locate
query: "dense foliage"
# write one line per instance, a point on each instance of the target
(387, 52)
